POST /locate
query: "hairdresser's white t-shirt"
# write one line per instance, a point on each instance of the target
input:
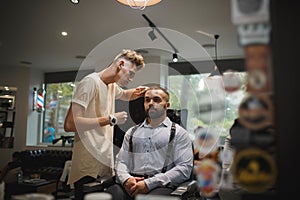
(93, 149)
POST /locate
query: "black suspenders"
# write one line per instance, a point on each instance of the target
(131, 135)
(170, 145)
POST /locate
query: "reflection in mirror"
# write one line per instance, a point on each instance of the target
(7, 116)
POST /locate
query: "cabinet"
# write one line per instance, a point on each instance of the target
(7, 116)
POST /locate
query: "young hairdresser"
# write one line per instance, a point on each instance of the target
(91, 116)
(142, 164)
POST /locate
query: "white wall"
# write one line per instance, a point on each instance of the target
(17, 77)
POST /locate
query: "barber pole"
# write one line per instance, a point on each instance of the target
(40, 100)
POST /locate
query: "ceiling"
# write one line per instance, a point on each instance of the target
(30, 31)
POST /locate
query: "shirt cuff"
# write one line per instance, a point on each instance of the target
(124, 179)
(151, 183)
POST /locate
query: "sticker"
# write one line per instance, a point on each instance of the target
(257, 79)
(211, 107)
(252, 34)
(206, 143)
(208, 176)
(249, 11)
(257, 65)
(256, 112)
(231, 81)
(254, 170)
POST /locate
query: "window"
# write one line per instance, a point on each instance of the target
(57, 101)
(207, 103)
(187, 90)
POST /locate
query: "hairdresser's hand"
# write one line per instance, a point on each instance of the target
(138, 92)
(121, 117)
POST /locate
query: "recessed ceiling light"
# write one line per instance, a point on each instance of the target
(75, 1)
(64, 33)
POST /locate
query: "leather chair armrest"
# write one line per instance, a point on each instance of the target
(186, 189)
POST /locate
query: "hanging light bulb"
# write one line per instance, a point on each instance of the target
(215, 71)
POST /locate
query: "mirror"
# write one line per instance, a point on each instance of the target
(7, 116)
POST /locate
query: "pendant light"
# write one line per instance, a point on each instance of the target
(139, 4)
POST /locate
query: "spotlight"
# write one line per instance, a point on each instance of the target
(75, 1)
(152, 35)
(175, 58)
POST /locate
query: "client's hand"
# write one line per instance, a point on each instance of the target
(131, 184)
(140, 188)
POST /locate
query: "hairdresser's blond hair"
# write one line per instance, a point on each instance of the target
(133, 57)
